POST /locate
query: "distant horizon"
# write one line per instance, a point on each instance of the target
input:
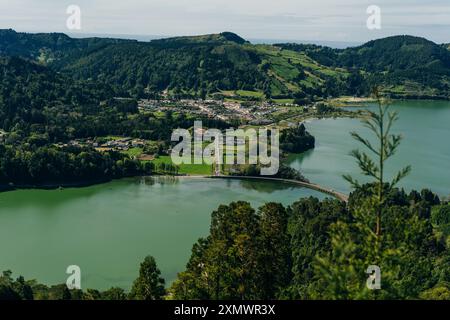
(286, 20)
(146, 38)
(142, 37)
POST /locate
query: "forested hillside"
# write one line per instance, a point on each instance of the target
(49, 48)
(30, 92)
(403, 65)
(215, 64)
(315, 250)
(206, 65)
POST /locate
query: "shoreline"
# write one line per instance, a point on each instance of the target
(85, 184)
(51, 186)
(348, 102)
(81, 184)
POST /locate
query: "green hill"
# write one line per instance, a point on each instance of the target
(27, 86)
(211, 64)
(403, 65)
(49, 47)
(395, 54)
(219, 38)
(186, 66)
(31, 93)
(225, 64)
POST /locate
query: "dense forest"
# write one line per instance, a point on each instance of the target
(186, 66)
(314, 250)
(148, 286)
(296, 140)
(406, 66)
(206, 65)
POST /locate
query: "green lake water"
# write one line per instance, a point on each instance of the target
(425, 127)
(108, 229)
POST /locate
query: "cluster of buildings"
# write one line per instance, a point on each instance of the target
(254, 112)
(120, 144)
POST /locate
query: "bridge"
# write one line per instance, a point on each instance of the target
(313, 186)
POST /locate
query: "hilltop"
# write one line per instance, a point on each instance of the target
(227, 65)
(48, 47)
(404, 65)
(219, 38)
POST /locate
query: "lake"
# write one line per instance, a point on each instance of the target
(108, 229)
(425, 127)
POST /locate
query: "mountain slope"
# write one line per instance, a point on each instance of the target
(26, 86)
(186, 66)
(222, 64)
(211, 67)
(395, 54)
(219, 38)
(28, 91)
(49, 47)
(404, 65)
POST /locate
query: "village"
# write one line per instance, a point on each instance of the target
(251, 112)
(134, 147)
(247, 113)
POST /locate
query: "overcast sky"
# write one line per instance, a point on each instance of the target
(322, 20)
